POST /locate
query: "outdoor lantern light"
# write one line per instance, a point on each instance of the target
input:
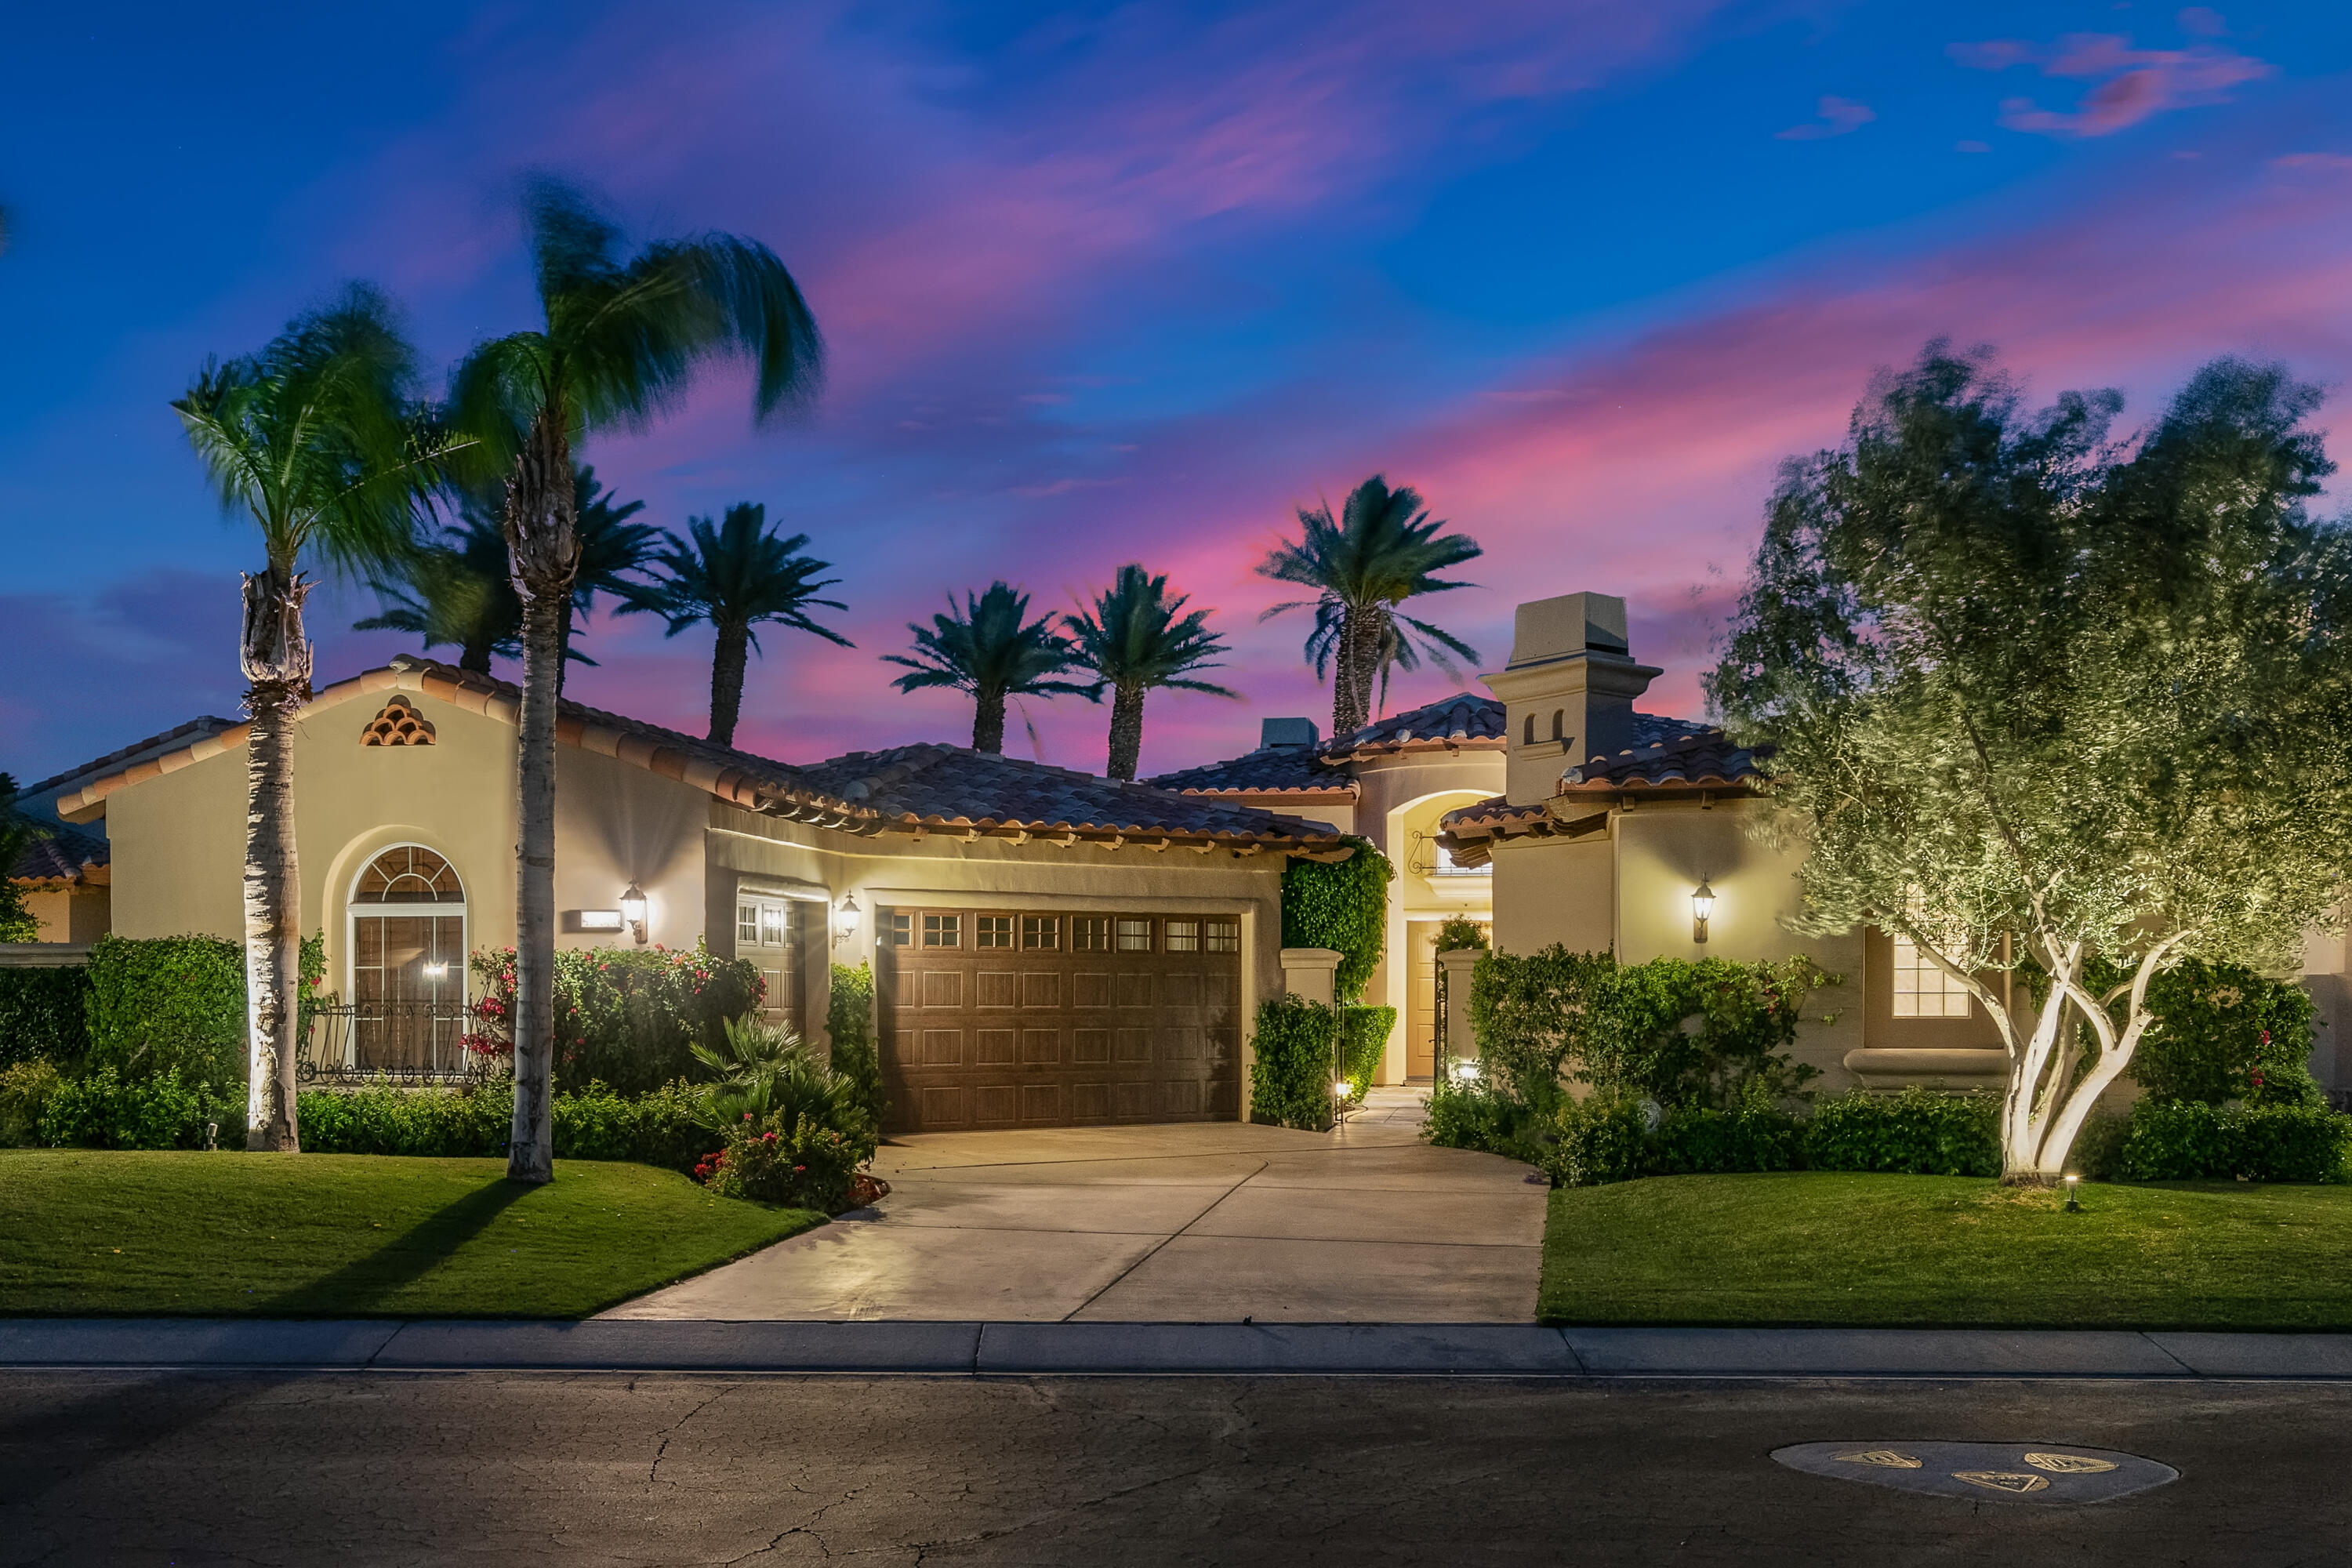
(632, 910)
(1702, 906)
(437, 971)
(845, 917)
(2073, 1206)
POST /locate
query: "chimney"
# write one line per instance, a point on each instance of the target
(1285, 735)
(1567, 691)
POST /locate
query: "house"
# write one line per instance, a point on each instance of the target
(1623, 831)
(1050, 947)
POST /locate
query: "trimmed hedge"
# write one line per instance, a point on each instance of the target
(1342, 907)
(595, 1123)
(2179, 1141)
(1916, 1132)
(626, 1017)
(45, 1016)
(107, 1111)
(1364, 1040)
(1291, 1072)
(169, 1007)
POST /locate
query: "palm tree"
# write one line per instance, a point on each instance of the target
(735, 574)
(994, 651)
(454, 593)
(1378, 553)
(611, 546)
(620, 341)
(1134, 641)
(315, 438)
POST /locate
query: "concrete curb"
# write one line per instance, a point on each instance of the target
(1051, 1349)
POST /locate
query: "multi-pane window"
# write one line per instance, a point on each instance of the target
(747, 922)
(772, 925)
(1184, 936)
(1041, 932)
(996, 930)
(898, 931)
(1923, 989)
(1090, 934)
(1221, 936)
(1134, 935)
(942, 930)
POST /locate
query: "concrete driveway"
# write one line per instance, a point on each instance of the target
(1210, 1222)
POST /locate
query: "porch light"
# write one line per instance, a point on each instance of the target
(1702, 907)
(632, 910)
(845, 917)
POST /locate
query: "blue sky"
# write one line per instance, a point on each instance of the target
(1129, 282)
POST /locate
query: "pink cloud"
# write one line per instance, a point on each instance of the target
(1839, 117)
(2132, 85)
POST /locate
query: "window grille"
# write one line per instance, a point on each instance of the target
(942, 930)
(1184, 936)
(1221, 936)
(1923, 989)
(1134, 935)
(996, 930)
(1041, 932)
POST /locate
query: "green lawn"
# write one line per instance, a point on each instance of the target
(1829, 1248)
(93, 1233)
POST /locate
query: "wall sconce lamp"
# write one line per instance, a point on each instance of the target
(845, 917)
(1702, 907)
(633, 912)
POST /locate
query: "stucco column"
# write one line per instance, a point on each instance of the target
(1312, 973)
(1458, 965)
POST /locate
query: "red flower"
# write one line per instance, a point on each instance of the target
(799, 1170)
(768, 1138)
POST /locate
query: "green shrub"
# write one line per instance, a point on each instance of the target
(1916, 1132)
(169, 1007)
(2187, 1140)
(805, 1165)
(26, 1090)
(386, 1121)
(1471, 1114)
(1290, 1075)
(1589, 1143)
(1364, 1040)
(1459, 933)
(1702, 1139)
(1533, 1015)
(2223, 1032)
(849, 1025)
(624, 1016)
(107, 1111)
(662, 1127)
(765, 1075)
(45, 1016)
(1342, 907)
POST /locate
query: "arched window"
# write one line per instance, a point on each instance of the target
(408, 924)
(1528, 734)
(1558, 715)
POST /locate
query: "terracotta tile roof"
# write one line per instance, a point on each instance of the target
(1464, 718)
(912, 789)
(1700, 756)
(61, 854)
(1270, 769)
(173, 739)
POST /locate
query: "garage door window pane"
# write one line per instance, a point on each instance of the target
(1134, 936)
(942, 930)
(1041, 932)
(1223, 936)
(1184, 936)
(1090, 934)
(898, 931)
(996, 930)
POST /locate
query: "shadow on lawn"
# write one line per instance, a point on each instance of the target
(360, 1287)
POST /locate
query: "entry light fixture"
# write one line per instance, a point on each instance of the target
(632, 910)
(1702, 908)
(846, 917)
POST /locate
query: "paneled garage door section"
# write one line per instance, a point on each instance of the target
(1035, 1018)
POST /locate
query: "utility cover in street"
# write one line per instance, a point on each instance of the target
(2019, 1472)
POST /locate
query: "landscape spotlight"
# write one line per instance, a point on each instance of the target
(1702, 907)
(632, 910)
(2073, 1206)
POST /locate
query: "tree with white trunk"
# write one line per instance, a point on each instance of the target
(2062, 709)
(319, 440)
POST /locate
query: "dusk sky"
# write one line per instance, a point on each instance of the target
(1131, 282)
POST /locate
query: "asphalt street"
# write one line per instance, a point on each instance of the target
(199, 1469)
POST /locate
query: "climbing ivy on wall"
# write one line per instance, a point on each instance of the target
(1343, 907)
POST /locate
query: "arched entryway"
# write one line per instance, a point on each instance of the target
(407, 946)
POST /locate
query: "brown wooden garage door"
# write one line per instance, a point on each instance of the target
(1041, 1018)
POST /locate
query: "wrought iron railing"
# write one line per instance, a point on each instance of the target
(401, 1042)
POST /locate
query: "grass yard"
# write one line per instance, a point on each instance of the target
(1826, 1248)
(101, 1233)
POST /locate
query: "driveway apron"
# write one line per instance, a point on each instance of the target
(1214, 1222)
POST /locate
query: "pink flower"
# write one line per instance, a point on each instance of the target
(770, 1138)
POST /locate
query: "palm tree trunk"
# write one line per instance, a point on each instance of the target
(476, 656)
(563, 648)
(1351, 672)
(276, 659)
(1125, 729)
(727, 662)
(988, 721)
(545, 549)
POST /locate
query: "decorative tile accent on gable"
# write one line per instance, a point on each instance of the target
(399, 724)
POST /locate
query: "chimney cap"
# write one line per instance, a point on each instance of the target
(1286, 734)
(1567, 627)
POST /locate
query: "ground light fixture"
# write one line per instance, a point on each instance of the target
(633, 912)
(845, 917)
(1702, 908)
(1466, 1072)
(2073, 1206)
